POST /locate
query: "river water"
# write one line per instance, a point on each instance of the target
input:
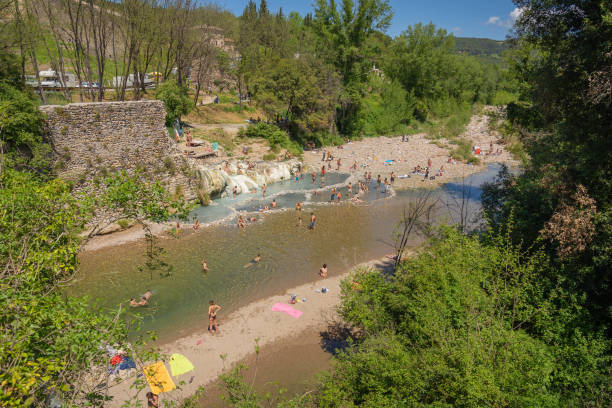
(345, 235)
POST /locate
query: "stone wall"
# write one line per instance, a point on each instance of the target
(91, 140)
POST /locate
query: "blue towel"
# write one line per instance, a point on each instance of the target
(127, 363)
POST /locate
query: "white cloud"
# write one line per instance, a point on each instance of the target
(493, 20)
(457, 30)
(516, 14)
(512, 17)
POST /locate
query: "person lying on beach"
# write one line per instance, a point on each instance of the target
(323, 271)
(254, 261)
(204, 266)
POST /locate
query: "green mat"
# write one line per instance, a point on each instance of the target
(179, 364)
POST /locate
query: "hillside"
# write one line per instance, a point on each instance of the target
(480, 46)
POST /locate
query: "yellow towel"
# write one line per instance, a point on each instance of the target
(179, 364)
(159, 378)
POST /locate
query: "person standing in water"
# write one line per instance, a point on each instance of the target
(314, 177)
(204, 266)
(378, 181)
(234, 191)
(263, 190)
(323, 171)
(338, 169)
(350, 189)
(273, 203)
(323, 271)
(313, 219)
(212, 316)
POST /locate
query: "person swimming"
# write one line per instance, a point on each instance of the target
(204, 266)
(254, 261)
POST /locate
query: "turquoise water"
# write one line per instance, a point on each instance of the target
(346, 234)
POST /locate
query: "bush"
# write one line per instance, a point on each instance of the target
(175, 100)
(270, 156)
(276, 137)
(123, 223)
(463, 151)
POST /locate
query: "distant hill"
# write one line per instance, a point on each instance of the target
(480, 46)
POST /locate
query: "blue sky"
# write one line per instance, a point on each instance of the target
(465, 18)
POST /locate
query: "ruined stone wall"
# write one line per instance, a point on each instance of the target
(91, 140)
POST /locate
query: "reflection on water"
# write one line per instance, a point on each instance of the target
(345, 235)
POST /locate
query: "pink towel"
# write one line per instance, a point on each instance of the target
(281, 307)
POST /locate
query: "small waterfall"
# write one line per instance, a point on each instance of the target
(244, 183)
(222, 179)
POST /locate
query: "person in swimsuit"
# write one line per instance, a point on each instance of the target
(314, 177)
(263, 190)
(196, 224)
(147, 295)
(204, 266)
(234, 191)
(313, 219)
(323, 271)
(323, 171)
(273, 203)
(350, 189)
(299, 221)
(152, 400)
(133, 303)
(338, 163)
(392, 177)
(378, 181)
(212, 316)
(254, 261)
(339, 196)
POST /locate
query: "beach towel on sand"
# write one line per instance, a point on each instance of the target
(158, 378)
(179, 364)
(281, 307)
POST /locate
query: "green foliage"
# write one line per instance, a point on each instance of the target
(175, 100)
(481, 46)
(275, 136)
(20, 122)
(462, 324)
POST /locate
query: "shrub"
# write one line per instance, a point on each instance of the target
(175, 100)
(276, 137)
(463, 151)
(269, 156)
(123, 223)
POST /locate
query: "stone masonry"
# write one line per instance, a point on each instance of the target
(91, 140)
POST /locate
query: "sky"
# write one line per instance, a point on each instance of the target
(464, 18)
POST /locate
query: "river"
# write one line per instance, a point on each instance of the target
(346, 234)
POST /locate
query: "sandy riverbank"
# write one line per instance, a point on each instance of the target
(239, 330)
(371, 155)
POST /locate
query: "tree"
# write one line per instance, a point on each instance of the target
(343, 33)
(175, 100)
